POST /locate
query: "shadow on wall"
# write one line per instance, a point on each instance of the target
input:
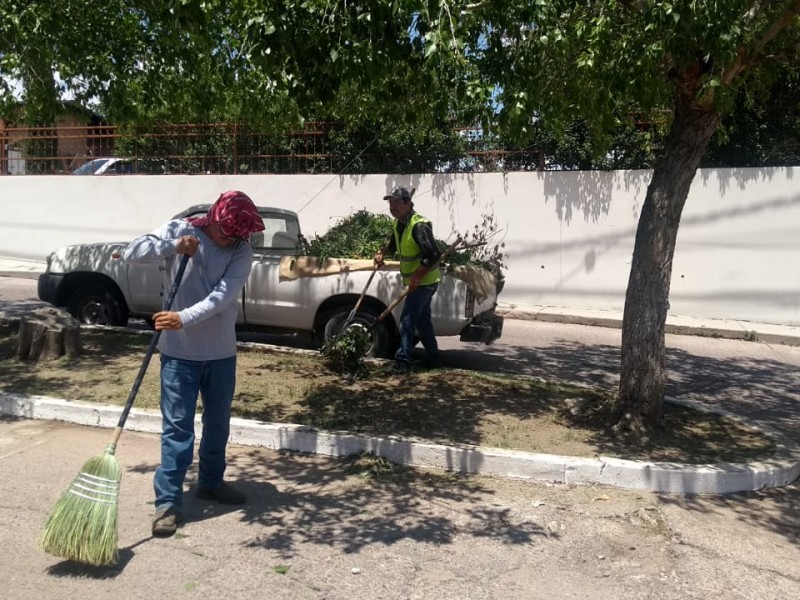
(570, 191)
(742, 177)
(442, 193)
(569, 188)
(611, 239)
(744, 211)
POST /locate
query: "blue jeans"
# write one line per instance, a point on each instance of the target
(416, 318)
(181, 382)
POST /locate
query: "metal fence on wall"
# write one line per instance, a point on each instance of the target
(231, 148)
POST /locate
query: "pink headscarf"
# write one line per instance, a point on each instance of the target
(235, 215)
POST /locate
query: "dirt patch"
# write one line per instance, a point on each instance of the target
(444, 406)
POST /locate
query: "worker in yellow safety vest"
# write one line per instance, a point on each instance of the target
(413, 242)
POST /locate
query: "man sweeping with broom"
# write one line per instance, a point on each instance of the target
(198, 346)
(198, 356)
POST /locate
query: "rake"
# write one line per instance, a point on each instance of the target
(352, 314)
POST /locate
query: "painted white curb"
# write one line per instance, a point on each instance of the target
(678, 478)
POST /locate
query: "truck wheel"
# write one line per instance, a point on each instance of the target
(382, 345)
(94, 304)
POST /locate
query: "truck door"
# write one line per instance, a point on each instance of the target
(267, 300)
(146, 286)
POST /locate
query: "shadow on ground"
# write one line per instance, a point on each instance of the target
(766, 391)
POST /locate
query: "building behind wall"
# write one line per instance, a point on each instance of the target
(76, 136)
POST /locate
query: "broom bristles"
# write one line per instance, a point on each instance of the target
(83, 524)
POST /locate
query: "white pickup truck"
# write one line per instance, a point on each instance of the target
(97, 286)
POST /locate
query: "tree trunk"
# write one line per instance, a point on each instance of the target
(47, 334)
(640, 405)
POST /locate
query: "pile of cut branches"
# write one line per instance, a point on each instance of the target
(358, 236)
(361, 234)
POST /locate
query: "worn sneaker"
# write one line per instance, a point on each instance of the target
(223, 493)
(166, 521)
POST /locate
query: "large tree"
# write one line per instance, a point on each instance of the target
(685, 59)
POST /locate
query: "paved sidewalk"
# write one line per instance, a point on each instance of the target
(20, 267)
(314, 529)
(680, 325)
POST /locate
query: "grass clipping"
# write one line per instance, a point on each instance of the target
(344, 352)
(444, 406)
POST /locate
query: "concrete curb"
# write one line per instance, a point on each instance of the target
(675, 478)
(713, 328)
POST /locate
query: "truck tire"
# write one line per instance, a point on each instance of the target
(383, 344)
(96, 304)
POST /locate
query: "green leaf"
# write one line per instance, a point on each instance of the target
(282, 569)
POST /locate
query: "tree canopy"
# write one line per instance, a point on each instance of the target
(576, 79)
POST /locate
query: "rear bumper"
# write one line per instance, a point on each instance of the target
(486, 327)
(48, 286)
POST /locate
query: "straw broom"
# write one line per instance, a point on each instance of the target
(83, 524)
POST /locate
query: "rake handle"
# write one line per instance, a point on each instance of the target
(148, 355)
(353, 312)
(407, 291)
(369, 282)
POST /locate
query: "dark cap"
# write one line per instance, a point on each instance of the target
(400, 193)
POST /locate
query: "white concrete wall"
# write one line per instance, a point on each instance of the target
(569, 235)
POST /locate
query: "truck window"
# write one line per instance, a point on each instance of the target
(280, 233)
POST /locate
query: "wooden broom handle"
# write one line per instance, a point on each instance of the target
(148, 355)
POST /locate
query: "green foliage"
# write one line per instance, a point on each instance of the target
(761, 131)
(91, 50)
(631, 145)
(363, 233)
(560, 74)
(367, 465)
(359, 235)
(344, 352)
(408, 148)
(385, 62)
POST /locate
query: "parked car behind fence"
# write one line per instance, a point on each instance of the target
(122, 166)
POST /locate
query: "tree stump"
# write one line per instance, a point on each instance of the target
(47, 334)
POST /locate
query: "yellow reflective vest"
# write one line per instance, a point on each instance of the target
(410, 253)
